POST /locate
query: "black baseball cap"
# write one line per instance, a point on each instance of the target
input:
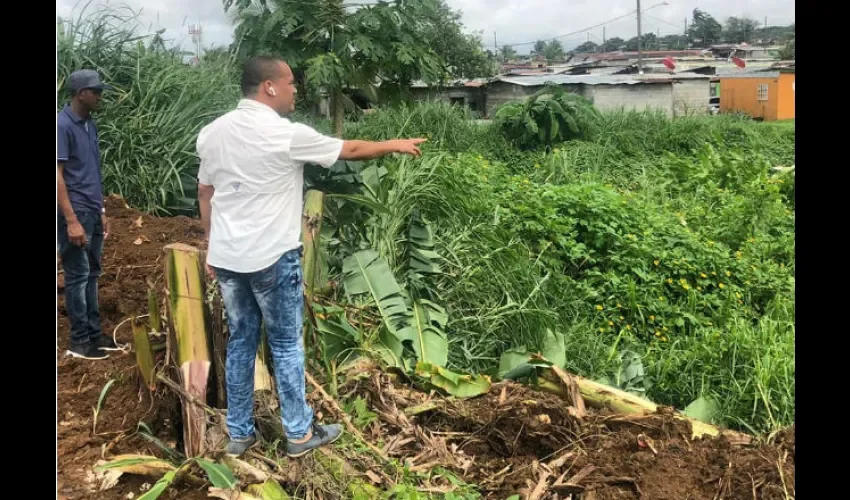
(86, 79)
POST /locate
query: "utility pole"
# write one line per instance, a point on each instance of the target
(639, 61)
(686, 33)
(604, 48)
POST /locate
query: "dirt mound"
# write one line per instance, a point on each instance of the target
(132, 257)
(515, 440)
(512, 440)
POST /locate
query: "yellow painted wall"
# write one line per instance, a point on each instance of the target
(741, 95)
(787, 97)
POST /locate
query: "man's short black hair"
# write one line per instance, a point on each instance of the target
(257, 70)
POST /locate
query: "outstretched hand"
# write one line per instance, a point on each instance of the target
(410, 146)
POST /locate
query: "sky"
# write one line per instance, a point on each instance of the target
(514, 22)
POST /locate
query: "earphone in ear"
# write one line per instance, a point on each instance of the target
(272, 91)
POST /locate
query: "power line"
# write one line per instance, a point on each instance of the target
(663, 21)
(628, 14)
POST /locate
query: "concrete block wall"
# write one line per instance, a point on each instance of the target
(691, 97)
(499, 93)
(639, 96)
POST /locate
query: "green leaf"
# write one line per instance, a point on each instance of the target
(458, 385)
(511, 360)
(367, 272)
(390, 349)
(703, 409)
(135, 464)
(219, 475)
(337, 336)
(269, 490)
(362, 200)
(160, 486)
(430, 343)
(554, 349)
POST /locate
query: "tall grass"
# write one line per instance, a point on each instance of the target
(537, 240)
(149, 124)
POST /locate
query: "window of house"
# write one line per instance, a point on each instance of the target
(762, 92)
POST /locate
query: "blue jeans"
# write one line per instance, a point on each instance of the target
(274, 296)
(82, 266)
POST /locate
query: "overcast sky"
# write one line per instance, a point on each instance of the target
(513, 21)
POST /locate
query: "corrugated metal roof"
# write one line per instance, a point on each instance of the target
(749, 74)
(532, 81)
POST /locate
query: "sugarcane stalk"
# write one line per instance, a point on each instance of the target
(185, 284)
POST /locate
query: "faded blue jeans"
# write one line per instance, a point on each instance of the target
(274, 296)
(82, 266)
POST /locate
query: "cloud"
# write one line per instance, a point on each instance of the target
(513, 21)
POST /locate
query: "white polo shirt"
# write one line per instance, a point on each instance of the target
(254, 158)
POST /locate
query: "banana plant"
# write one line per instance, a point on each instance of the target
(412, 334)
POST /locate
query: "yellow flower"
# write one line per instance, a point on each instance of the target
(598, 307)
(683, 281)
(656, 262)
(610, 323)
(686, 287)
(661, 299)
(728, 274)
(622, 318)
(670, 281)
(657, 333)
(721, 285)
(663, 339)
(713, 273)
(664, 328)
(703, 275)
(484, 178)
(556, 150)
(619, 306)
(699, 288)
(651, 318)
(601, 330)
(628, 327)
(536, 165)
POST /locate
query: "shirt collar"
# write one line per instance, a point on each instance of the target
(72, 115)
(251, 104)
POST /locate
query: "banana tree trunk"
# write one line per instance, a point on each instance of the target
(144, 353)
(185, 284)
(337, 112)
(311, 229)
(602, 396)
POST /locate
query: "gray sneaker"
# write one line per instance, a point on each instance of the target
(322, 435)
(237, 448)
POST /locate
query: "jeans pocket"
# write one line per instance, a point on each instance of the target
(266, 279)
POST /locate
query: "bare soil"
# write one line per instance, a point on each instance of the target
(512, 440)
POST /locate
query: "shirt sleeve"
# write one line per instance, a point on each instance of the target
(203, 171)
(309, 146)
(63, 142)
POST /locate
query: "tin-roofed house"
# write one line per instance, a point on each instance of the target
(676, 94)
(766, 95)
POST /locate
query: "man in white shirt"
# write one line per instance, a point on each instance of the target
(250, 189)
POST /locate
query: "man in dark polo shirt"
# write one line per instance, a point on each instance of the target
(81, 219)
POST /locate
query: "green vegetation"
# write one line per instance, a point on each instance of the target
(672, 240)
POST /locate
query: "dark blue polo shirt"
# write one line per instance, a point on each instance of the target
(77, 146)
